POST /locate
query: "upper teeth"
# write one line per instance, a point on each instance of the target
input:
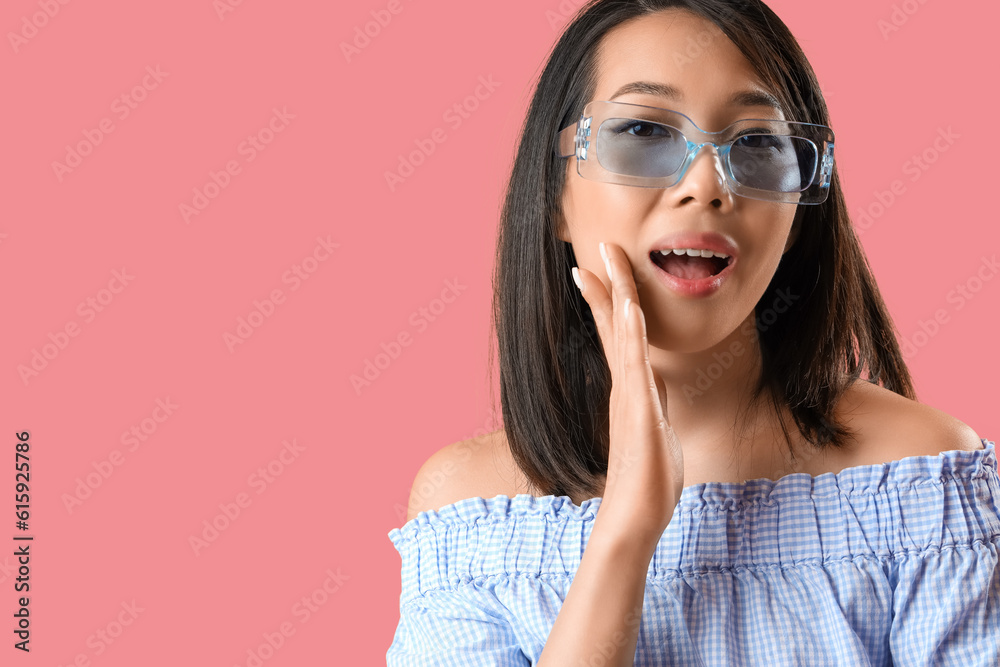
(693, 252)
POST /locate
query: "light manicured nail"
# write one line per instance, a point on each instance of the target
(607, 262)
(627, 302)
(576, 279)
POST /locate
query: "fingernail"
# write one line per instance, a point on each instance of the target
(627, 302)
(607, 263)
(576, 279)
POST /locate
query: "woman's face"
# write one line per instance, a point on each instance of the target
(694, 57)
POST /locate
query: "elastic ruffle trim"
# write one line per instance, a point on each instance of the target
(881, 511)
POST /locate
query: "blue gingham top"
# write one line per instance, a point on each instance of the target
(887, 564)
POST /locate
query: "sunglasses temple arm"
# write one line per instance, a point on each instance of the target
(566, 139)
(575, 135)
(826, 166)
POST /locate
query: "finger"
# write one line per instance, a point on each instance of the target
(617, 340)
(597, 297)
(606, 256)
(654, 382)
(646, 383)
(623, 289)
(637, 367)
(624, 286)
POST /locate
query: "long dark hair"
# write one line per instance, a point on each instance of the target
(555, 383)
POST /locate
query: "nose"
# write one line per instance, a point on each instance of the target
(704, 181)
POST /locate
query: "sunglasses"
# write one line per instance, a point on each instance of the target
(643, 146)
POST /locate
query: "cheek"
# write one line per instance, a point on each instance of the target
(598, 212)
(765, 251)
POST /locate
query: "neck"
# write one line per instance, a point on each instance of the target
(708, 400)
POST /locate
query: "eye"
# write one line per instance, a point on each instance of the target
(640, 128)
(748, 139)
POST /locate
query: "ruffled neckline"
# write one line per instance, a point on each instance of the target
(725, 496)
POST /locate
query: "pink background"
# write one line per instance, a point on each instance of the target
(161, 336)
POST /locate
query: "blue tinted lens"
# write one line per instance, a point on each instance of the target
(640, 147)
(773, 162)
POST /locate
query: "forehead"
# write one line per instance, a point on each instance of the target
(694, 67)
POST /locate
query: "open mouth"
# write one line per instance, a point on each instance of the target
(689, 267)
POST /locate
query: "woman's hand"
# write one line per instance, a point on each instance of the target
(645, 462)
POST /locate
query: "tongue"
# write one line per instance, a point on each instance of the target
(688, 267)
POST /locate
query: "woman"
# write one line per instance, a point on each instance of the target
(686, 439)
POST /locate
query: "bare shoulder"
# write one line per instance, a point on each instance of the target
(892, 427)
(480, 467)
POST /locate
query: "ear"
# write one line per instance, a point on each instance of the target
(793, 233)
(562, 229)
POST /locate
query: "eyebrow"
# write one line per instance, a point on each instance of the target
(747, 98)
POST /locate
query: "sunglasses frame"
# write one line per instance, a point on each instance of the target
(576, 140)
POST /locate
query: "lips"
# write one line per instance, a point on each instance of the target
(691, 264)
(690, 268)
